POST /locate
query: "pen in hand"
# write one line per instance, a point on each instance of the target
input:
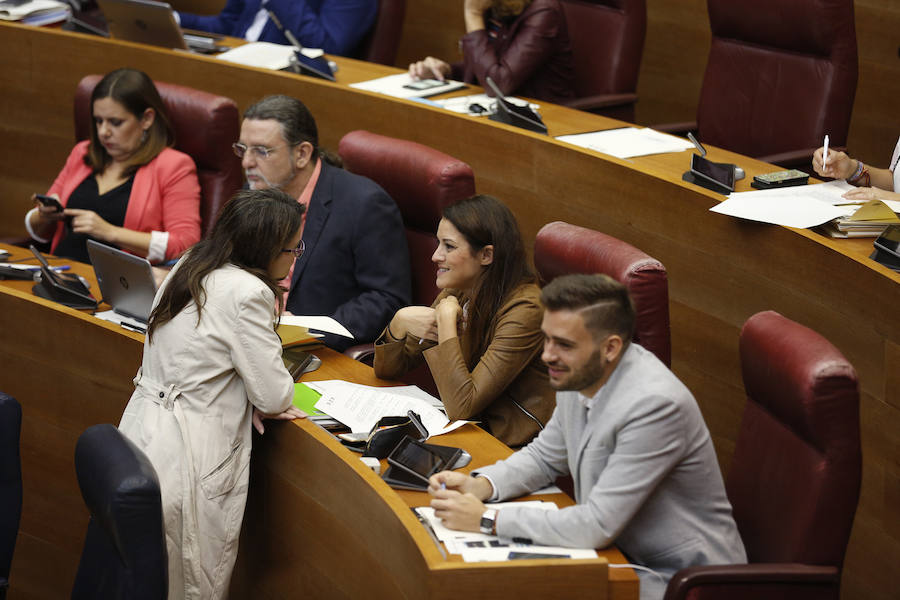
(825, 152)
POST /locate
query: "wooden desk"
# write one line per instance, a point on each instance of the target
(721, 270)
(314, 508)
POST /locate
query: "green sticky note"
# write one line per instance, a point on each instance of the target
(305, 399)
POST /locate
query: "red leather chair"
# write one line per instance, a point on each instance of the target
(780, 76)
(561, 248)
(422, 181)
(607, 39)
(795, 477)
(205, 127)
(381, 43)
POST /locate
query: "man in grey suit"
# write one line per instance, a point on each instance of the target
(632, 437)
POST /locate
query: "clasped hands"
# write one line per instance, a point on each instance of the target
(428, 323)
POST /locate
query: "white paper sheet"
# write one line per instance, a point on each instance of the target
(266, 55)
(463, 104)
(799, 206)
(319, 323)
(478, 547)
(359, 407)
(392, 85)
(628, 142)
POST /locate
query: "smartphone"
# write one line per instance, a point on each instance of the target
(416, 458)
(889, 240)
(424, 84)
(49, 201)
(716, 173)
(777, 179)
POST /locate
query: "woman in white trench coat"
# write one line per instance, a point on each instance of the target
(212, 365)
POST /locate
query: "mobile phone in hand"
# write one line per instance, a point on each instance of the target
(49, 201)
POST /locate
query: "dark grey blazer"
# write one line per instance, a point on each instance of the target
(356, 264)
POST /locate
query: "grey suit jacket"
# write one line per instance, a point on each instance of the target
(645, 472)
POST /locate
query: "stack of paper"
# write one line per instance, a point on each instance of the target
(396, 86)
(34, 12)
(811, 205)
(478, 547)
(359, 407)
(628, 142)
(266, 55)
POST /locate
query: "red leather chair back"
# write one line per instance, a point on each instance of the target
(561, 248)
(780, 75)
(205, 126)
(381, 43)
(607, 39)
(795, 477)
(422, 181)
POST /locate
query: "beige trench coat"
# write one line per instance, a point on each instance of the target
(191, 413)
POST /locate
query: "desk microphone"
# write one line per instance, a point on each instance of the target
(285, 32)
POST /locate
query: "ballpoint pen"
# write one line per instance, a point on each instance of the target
(825, 152)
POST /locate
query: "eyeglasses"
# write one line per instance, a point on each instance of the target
(259, 152)
(298, 251)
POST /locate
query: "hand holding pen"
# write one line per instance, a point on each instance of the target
(837, 166)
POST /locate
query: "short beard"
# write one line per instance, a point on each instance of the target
(279, 185)
(592, 372)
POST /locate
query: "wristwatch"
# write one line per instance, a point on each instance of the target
(489, 522)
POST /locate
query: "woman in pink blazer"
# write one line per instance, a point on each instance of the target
(125, 186)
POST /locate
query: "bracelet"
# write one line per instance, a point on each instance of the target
(856, 174)
(391, 333)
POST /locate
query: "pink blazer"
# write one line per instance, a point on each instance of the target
(165, 197)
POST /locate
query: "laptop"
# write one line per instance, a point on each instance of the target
(126, 281)
(149, 22)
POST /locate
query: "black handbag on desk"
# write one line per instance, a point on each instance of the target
(388, 432)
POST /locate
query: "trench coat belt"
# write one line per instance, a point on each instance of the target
(164, 396)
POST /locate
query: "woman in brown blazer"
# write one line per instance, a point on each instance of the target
(482, 336)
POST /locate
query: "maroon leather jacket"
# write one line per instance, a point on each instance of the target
(530, 56)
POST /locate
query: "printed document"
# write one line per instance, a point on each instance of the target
(628, 142)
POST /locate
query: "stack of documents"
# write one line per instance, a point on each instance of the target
(478, 547)
(266, 55)
(403, 86)
(359, 407)
(811, 205)
(34, 12)
(628, 142)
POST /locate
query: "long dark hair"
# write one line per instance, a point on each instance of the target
(483, 220)
(135, 91)
(250, 232)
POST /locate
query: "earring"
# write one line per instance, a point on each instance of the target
(143, 136)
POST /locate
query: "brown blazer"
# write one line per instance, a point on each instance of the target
(508, 380)
(531, 55)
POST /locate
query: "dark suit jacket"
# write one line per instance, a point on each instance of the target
(356, 264)
(335, 26)
(531, 55)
